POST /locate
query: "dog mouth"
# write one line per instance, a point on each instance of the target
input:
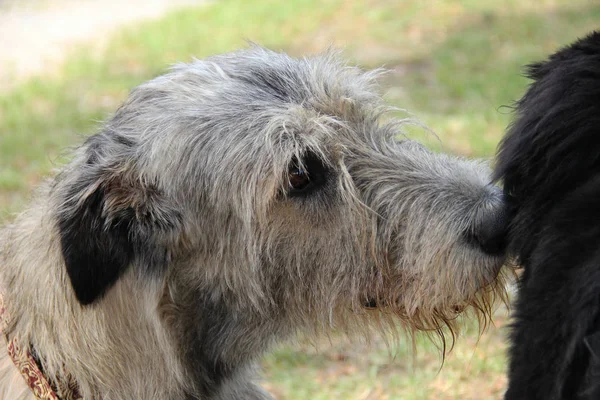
(371, 303)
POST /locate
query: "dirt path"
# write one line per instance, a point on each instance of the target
(35, 35)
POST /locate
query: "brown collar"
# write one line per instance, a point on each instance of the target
(29, 367)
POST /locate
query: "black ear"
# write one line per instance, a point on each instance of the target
(108, 225)
(96, 251)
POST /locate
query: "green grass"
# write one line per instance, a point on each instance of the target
(339, 369)
(453, 64)
(474, 369)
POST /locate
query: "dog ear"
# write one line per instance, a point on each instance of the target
(106, 225)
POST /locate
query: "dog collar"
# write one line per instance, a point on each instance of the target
(29, 367)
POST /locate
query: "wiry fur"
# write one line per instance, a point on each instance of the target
(172, 252)
(550, 164)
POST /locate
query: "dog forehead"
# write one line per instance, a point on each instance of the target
(257, 79)
(258, 102)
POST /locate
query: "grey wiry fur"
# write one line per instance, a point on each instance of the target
(173, 251)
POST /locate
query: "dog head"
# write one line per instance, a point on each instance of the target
(280, 183)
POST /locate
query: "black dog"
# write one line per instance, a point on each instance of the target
(549, 162)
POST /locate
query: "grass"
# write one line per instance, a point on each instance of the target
(474, 369)
(453, 64)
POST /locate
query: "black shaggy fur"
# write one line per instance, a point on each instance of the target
(549, 162)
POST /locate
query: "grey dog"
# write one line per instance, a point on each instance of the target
(229, 205)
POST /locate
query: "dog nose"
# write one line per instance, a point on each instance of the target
(491, 225)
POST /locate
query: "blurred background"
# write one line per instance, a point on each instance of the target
(65, 65)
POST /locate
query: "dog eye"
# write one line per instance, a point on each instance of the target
(298, 178)
(307, 176)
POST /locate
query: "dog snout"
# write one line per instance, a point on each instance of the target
(490, 228)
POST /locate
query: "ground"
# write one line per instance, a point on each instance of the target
(38, 34)
(455, 65)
